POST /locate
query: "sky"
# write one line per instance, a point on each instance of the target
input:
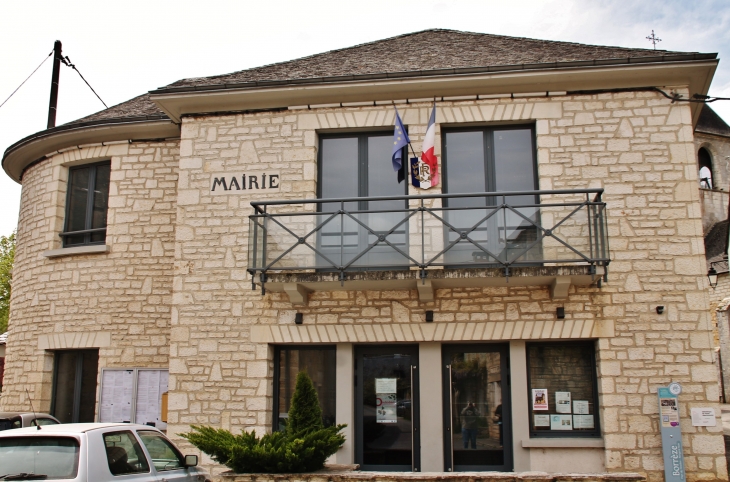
(124, 49)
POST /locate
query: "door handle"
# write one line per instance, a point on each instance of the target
(451, 418)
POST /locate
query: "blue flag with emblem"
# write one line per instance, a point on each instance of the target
(400, 140)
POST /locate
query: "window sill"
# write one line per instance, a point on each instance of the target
(93, 249)
(563, 443)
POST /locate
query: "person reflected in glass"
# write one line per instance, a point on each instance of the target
(469, 425)
(498, 420)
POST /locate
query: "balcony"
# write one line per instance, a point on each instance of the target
(426, 242)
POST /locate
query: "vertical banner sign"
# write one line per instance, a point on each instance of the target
(671, 433)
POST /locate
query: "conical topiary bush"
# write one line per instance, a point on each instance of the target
(305, 413)
(302, 447)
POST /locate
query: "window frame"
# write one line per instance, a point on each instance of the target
(87, 231)
(596, 432)
(363, 191)
(489, 161)
(362, 164)
(277, 370)
(488, 132)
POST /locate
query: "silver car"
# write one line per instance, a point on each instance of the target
(97, 452)
(10, 420)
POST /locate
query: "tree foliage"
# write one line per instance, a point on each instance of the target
(7, 256)
(303, 446)
(305, 412)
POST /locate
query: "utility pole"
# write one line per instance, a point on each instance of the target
(54, 84)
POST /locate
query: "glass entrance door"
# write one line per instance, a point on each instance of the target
(387, 410)
(477, 416)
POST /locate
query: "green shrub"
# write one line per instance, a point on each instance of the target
(302, 447)
(304, 412)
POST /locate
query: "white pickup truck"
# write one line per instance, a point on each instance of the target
(95, 452)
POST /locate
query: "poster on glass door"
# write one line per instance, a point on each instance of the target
(386, 400)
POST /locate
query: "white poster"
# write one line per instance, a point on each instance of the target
(561, 422)
(116, 396)
(539, 399)
(703, 417)
(582, 421)
(562, 402)
(542, 420)
(669, 412)
(151, 384)
(385, 385)
(580, 407)
(385, 408)
(117, 389)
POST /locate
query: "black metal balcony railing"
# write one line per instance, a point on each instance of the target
(490, 229)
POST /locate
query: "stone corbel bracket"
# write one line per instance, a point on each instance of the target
(298, 294)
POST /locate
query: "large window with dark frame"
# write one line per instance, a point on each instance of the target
(319, 362)
(86, 205)
(491, 159)
(563, 390)
(359, 165)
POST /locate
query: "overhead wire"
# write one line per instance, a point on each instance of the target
(67, 62)
(26, 80)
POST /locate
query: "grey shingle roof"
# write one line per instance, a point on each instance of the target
(139, 107)
(711, 123)
(427, 50)
(716, 241)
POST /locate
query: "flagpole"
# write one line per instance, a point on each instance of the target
(412, 149)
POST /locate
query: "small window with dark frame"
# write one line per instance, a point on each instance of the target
(86, 205)
(319, 363)
(562, 387)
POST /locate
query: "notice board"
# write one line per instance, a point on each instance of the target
(132, 395)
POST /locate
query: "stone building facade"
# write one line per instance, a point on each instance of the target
(170, 287)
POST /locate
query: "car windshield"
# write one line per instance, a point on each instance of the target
(56, 457)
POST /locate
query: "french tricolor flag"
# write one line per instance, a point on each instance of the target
(427, 155)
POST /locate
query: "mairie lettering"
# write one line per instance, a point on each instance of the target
(262, 181)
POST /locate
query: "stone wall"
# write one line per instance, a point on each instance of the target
(119, 301)
(637, 146)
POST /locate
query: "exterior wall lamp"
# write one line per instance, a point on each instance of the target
(712, 276)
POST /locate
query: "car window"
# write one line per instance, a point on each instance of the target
(16, 422)
(5, 424)
(55, 457)
(124, 454)
(42, 422)
(165, 455)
